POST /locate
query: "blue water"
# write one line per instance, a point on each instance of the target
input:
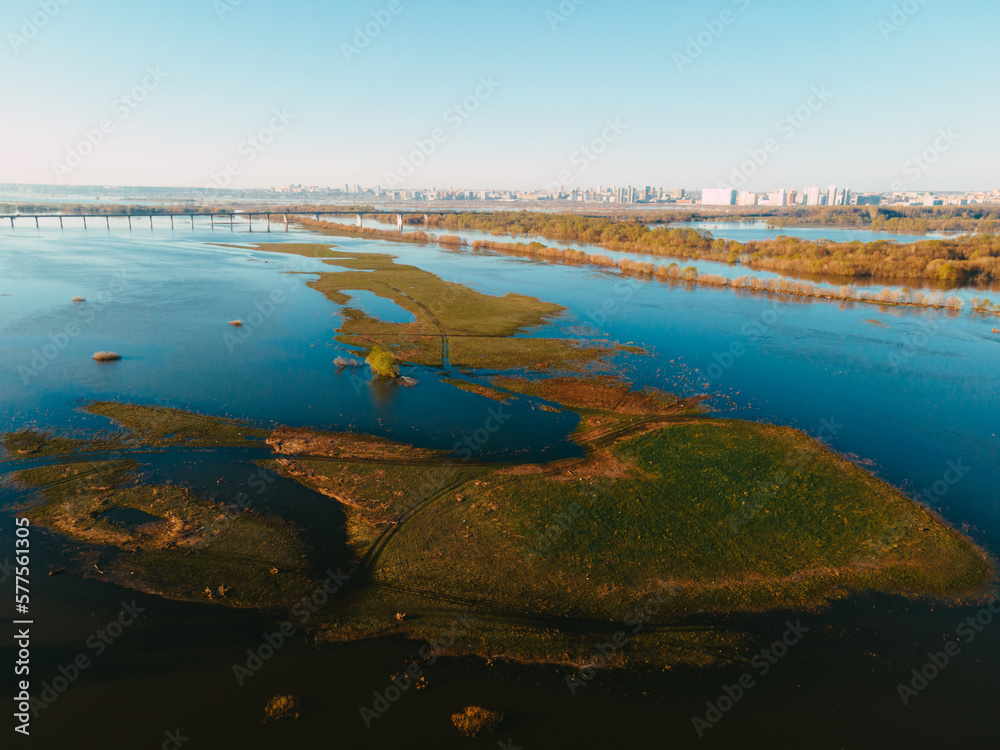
(379, 307)
(163, 300)
(759, 230)
(910, 393)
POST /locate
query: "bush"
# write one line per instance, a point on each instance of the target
(475, 719)
(382, 363)
(283, 707)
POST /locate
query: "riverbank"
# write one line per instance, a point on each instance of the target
(964, 260)
(670, 273)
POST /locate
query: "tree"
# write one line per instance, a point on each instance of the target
(382, 363)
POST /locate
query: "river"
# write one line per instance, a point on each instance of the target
(911, 393)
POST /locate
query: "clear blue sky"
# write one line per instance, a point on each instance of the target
(353, 120)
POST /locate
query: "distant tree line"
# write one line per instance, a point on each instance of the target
(970, 259)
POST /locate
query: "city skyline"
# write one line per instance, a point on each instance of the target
(813, 196)
(726, 93)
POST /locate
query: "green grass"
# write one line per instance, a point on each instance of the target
(258, 562)
(479, 327)
(157, 425)
(711, 516)
(374, 496)
(36, 444)
(191, 547)
(480, 390)
(306, 249)
(512, 636)
(676, 519)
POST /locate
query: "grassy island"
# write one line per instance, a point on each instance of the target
(668, 506)
(454, 324)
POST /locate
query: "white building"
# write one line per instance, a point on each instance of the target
(718, 197)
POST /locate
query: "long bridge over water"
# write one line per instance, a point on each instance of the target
(221, 217)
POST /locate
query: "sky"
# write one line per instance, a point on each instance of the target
(755, 94)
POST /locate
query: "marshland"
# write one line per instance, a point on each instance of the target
(255, 454)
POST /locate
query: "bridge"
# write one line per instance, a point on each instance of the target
(232, 216)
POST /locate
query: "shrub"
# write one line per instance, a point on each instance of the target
(382, 362)
(283, 707)
(475, 719)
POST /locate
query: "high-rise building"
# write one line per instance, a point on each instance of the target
(718, 197)
(831, 196)
(812, 196)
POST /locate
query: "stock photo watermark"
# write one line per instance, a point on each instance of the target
(250, 148)
(365, 35)
(966, 632)
(259, 481)
(31, 26)
(762, 663)
(60, 340)
(97, 644)
(915, 344)
(455, 117)
(752, 332)
(122, 108)
(765, 491)
(303, 611)
(952, 477)
(224, 7)
(560, 15)
(585, 156)
(605, 652)
(786, 126)
(428, 655)
(920, 164)
(262, 312)
(700, 42)
(173, 740)
(899, 17)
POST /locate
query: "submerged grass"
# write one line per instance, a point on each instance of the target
(187, 547)
(472, 329)
(157, 425)
(480, 390)
(37, 444)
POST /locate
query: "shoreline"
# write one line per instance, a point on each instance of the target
(566, 256)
